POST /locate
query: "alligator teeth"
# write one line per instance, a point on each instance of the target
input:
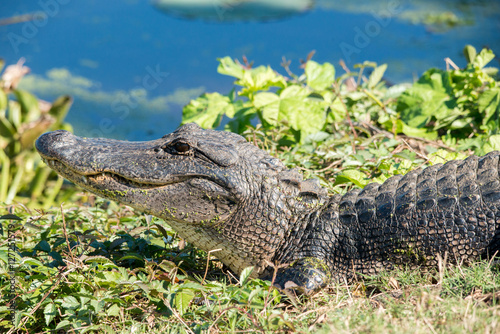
(85, 179)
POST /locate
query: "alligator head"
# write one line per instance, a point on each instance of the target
(214, 188)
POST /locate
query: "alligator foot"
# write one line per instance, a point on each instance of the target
(304, 276)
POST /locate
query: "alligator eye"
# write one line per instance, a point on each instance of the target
(181, 147)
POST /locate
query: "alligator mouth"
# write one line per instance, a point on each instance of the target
(97, 178)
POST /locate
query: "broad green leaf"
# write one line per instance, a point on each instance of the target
(207, 110)
(269, 103)
(228, 66)
(70, 302)
(49, 312)
(302, 115)
(259, 79)
(182, 300)
(63, 324)
(193, 286)
(319, 77)
(489, 104)
(483, 58)
(493, 144)
(354, 176)
(294, 91)
(376, 75)
(245, 275)
(441, 156)
(31, 262)
(416, 132)
(113, 310)
(426, 99)
(43, 246)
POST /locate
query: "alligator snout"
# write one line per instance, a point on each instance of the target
(50, 143)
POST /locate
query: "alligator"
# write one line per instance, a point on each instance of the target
(218, 191)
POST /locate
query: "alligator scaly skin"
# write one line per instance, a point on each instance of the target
(220, 192)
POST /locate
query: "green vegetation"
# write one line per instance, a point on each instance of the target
(94, 266)
(23, 176)
(354, 128)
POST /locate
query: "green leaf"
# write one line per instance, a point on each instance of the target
(493, 144)
(207, 110)
(489, 104)
(70, 302)
(319, 77)
(228, 66)
(131, 257)
(3, 101)
(269, 103)
(29, 105)
(421, 133)
(62, 324)
(31, 262)
(470, 53)
(245, 275)
(113, 310)
(7, 130)
(259, 79)
(14, 114)
(60, 108)
(49, 312)
(425, 99)
(483, 58)
(10, 216)
(43, 246)
(241, 119)
(354, 176)
(376, 75)
(182, 300)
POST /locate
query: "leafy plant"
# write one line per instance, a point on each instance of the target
(455, 104)
(355, 126)
(22, 119)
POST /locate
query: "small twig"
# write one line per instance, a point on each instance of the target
(208, 260)
(429, 325)
(449, 63)
(347, 287)
(176, 314)
(411, 149)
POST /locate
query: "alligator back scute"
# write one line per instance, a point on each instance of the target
(451, 208)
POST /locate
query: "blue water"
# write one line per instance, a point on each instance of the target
(131, 68)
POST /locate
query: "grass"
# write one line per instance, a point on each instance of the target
(126, 272)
